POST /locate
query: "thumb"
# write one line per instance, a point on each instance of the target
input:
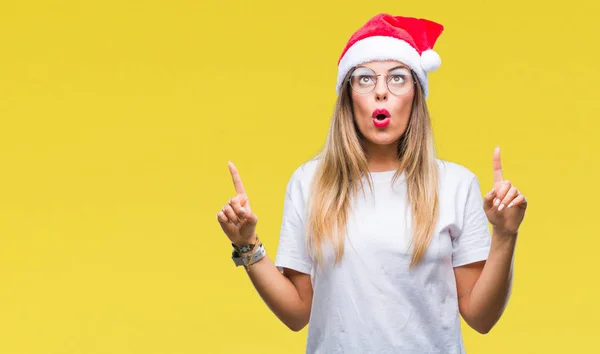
(488, 199)
(249, 216)
(244, 201)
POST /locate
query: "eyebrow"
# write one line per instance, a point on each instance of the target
(392, 69)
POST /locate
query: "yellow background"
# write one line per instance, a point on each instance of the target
(118, 119)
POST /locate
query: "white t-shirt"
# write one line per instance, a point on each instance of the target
(371, 302)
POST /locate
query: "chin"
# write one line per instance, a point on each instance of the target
(382, 138)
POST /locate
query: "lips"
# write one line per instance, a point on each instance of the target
(381, 118)
(381, 114)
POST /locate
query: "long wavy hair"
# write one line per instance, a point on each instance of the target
(344, 163)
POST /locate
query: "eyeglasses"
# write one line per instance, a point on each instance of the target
(364, 80)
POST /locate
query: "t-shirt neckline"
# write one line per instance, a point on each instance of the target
(384, 176)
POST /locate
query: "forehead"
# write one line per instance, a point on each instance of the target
(382, 66)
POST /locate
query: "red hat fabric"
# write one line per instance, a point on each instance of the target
(386, 37)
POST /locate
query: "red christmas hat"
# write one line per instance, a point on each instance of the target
(386, 37)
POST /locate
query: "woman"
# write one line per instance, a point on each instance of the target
(383, 246)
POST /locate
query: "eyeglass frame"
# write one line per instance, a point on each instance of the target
(387, 81)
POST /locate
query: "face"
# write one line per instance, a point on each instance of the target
(382, 114)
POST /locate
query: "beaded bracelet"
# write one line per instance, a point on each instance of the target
(247, 248)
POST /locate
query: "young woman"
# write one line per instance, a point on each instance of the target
(383, 246)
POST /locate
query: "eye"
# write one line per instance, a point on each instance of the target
(365, 80)
(397, 78)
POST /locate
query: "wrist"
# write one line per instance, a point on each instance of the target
(246, 246)
(256, 253)
(504, 239)
(504, 233)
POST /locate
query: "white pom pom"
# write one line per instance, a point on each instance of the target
(430, 61)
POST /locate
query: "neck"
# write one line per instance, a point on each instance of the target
(382, 157)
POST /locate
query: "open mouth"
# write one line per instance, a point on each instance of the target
(381, 118)
(381, 114)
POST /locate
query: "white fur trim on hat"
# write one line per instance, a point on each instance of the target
(381, 48)
(430, 60)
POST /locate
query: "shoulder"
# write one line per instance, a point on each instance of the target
(299, 183)
(305, 172)
(455, 175)
(450, 169)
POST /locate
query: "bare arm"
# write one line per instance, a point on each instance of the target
(484, 288)
(288, 295)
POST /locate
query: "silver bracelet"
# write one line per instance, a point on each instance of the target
(251, 258)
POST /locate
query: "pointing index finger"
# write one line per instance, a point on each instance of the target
(497, 166)
(235, 176)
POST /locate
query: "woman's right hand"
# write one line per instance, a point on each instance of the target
(236, 218)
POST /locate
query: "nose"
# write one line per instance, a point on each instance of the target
(381, 90)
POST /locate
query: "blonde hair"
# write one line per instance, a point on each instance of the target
(343, 164)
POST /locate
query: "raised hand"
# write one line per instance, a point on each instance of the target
(236, 217)
(504, 205)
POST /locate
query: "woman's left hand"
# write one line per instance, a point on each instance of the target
(504, 205)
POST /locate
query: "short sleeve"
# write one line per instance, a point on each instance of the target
(473, 242)
(291, 251)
